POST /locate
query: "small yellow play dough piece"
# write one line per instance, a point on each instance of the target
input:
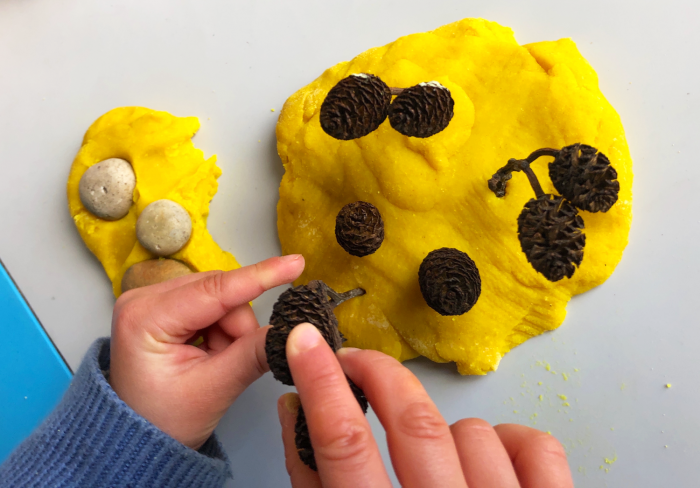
(433, 193)
(167, 166)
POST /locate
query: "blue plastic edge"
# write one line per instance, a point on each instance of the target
(33, 373)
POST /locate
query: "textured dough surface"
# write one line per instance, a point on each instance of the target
(432, 193)
(167, 165)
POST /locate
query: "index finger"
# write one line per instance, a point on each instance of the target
(345, 450)
(420, 443)
(174, 315)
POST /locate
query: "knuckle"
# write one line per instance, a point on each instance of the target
(350, 442)
(213, 284)
(326, 379)
(126, 314)
(261, 277)
(259, 268)
(548, 445)
(421, 420)
(476, 428)
(292, 463)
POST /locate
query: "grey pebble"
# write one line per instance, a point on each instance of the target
(153, 271)
(164, 227)
(107, 188)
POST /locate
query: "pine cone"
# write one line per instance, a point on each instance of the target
(422, 110)
(306, 303)
(355, 106)
(359, 228)
(585, 177)
(301, 429)
(449, 281)
(550, 233)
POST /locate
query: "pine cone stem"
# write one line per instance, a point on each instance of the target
(497, 183)
(396, 91)
(532, 178)
(338, 298)
(545, 151)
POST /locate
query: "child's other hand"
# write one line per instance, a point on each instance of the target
(182, 389)
(425, 450)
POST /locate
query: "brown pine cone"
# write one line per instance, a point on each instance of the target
(551, 236)
(449, 281)
(359, 228)
(422, 110)
(355, 106)
(585, 177)
(307, 303)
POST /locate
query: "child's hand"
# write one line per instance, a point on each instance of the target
(425, 450)
(182, 389)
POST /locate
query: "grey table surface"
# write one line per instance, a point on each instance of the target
(62, 64)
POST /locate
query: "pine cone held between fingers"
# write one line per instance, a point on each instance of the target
(306, 303)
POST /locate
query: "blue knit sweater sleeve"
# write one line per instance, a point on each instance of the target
(93, 439)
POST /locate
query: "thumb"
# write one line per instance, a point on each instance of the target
(300, 474)
(235, 368)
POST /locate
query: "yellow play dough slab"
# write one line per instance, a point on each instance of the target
(432, 193)
(167, 165)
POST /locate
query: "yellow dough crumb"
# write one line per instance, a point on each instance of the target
(167, 166)
(611, 461)
(509, 101)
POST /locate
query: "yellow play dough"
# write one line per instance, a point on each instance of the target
(432, 193)
(167, 165)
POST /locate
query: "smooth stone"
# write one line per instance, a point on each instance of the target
(164, 227)
(153, 271)
(107, 188)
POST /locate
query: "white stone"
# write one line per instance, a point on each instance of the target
(164, 227)
(107, 188)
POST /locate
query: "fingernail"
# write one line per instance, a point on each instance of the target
(344, 351)
(290, 257)
(291, 402)
(303, 338)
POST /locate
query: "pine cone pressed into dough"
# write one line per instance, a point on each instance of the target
(355, 106)
(359, 228)
(551, 235)
(585, 177)
(449, 281)
(422, 110)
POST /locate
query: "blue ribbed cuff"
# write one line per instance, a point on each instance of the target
(94, 439)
